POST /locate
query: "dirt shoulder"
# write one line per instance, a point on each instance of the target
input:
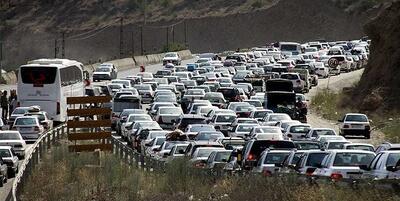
(336, 84)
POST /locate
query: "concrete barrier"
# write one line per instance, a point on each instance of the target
(121, 64)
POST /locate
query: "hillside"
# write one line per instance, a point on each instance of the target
(33, 29)
(379, 87)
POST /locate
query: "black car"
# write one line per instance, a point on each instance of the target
(231, 94)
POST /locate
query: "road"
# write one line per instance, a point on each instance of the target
(337, 83)
(151, 68)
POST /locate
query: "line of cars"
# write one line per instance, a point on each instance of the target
(25, 125)
(218, 114)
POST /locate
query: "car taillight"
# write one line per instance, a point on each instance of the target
(37, 128)
(58, 108)
(346, 126)
(250, 157)
(310, 171)
(267, 173)
(336, 176)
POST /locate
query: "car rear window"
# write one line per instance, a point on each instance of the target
(315, 159)
(352, 159)
(356, 118)
(259, 146)
(25, 121)
(275, 158)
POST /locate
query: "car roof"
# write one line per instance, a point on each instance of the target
(5, 147)
(350, 151)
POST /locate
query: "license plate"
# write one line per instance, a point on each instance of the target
(357, 126)
(24, 129)
(354, 175)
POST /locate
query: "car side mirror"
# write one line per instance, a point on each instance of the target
(390, 168)
(340, 120)
(181, 151)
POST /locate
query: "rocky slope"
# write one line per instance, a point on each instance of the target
(379, 87)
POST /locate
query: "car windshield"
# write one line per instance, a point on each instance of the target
(290, 76)
(315, 159)
(156, 134)
(353, 159)
(201, 128)
(195, 92)
(225, 118)
(307, 145)
(41, 117)
(165, 99)
(393, 159)
(20, 111)
(222, 156)
(149, 124)
(267, 130)
(171, 110)
(245, 128)
(356, 118)
(5, 153)
(299, 129)
(9, 136)
(360, 147)
(170, 55)
(322, 132)
(139, 118)
(336, 145)
(260, 114)
(255, 103)
(143, 87)
(25, 121)
(244, 108)
(278, 117)
(103, 69)
(204, 153)
(209, 136)
(275, 158)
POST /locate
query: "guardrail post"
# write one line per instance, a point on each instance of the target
(121, 151)
(53, 136)
(49, 140)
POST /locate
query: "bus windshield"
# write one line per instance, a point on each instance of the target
(38, 75)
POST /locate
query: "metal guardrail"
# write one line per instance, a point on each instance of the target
(134, 158)
(32, 159)
(147, 163)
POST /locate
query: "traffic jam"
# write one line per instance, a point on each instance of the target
(244, 111)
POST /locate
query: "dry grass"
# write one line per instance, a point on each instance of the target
(67, 176)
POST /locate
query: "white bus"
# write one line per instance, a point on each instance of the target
(290, 48)
(47, 83)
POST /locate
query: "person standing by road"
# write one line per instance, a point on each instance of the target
(4, 105)
(12, 101)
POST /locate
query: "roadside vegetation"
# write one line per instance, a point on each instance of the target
(71, 176)
(333, 105)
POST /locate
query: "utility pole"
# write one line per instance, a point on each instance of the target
(121, 40)
(185, 32)
(1, 57)
(167, 39)
(133, 43)
(63, 45)
(55, 48)
(173, 34)
(144, 11)
(141, 41)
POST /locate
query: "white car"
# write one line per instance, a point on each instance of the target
(29, 127)
(153, 145)
(355, 124)
(222, 121)
(314, 133)
(167, 116)
(385, 165)
(13, 139)
(172, 57)
(274, 118)
(130, 120)
(105, 71)
(322, 72)
(298, 83)
(201, 154)
(344, 164)
(269, 160)
(266, 133)
(297, 131)
(242, 130)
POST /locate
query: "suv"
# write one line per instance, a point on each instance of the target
(355, 124)
(298, 83)
(43, 117)
(253, 149)
(172, 57)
